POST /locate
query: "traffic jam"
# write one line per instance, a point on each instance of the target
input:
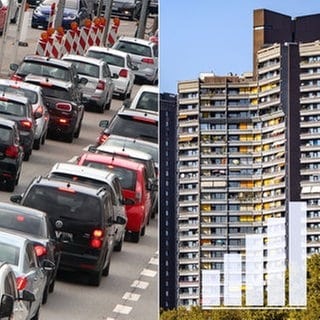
(83, 211)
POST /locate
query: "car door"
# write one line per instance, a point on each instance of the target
(109, 82)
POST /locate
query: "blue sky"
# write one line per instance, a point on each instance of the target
(213, 36)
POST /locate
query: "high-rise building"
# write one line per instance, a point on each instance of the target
(247, 146)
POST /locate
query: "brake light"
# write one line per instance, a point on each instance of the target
(20, 218)
(40, 250)
(144, 119)
(64, 106)
(96, 239)
(63, 121)
(123, 73)
(101, 85)
(148, 60)
(16, 77)
(66, 189)
(26, 124)
(12, 152)
(21, 282)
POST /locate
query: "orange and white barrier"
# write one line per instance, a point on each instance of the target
(112, 35)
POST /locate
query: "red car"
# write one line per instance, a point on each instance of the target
(135, 186)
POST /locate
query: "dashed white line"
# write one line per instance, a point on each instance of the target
(148, 273)
(154, 261)
(140, 284)
(131, 296)
(120, 308)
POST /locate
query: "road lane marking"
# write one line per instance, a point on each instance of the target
(154, 261)
(148, 273)
(120, 308)
(131, 296)
(140, 284)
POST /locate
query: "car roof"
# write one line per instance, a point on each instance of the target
(47, 82)
(20, 84)
(47, 60)
(82, 171)
(22, 209)
(147, 114)
(136, 40)
(109, 50)
(14, 237)
(76, 57)
(148, 88)
(111, 160)
(13, 97)
(131, 140)
(7, 122)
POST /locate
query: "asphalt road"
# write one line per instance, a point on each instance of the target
(130, 292)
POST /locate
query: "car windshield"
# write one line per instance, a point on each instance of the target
(9, 253)
(63, 203)
(12, 108)
(134, 48)
(107, 57)
(31, 95)
(134, 128)
(127, 177)
(44, 70)
(86, 68)
(20, 222)
(57, 92)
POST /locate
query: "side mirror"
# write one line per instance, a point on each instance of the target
(126, 103)
(16, 198)
(37, 115)
(128, 201)
(115, 76)
(47, 265)
(27, 296)
(83, 81)
(6, 306)
(134, 67)
(92, 148)
(14, 66)
(120, 220)
(103, 124)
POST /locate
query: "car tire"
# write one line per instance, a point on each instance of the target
(27, 155)
(51, 286)
(36, 144)
(143, 231)
(135, 237)
(45, 294)
(69, 137)
(118, 246)
(105, 271)
(77, 133)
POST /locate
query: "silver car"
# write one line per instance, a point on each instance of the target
(144, 54)
(98, 91)
(35, 95)
(21, 254)
(120, 63)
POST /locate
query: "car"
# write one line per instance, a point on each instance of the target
(154, 7)
(34, 3)
(13, 303)
(119, 63)
(83, 219)
(144, 54)
(64, 105)
(21, 253)
(138, 156)
(147, 98)
(135, 186)
(19, 109)
(74, 11)
(71, 171)
(34, 94)
(47, 67)
(35, 224)
(98, 90)
(11, 154)
(126, 8)
(130, 123)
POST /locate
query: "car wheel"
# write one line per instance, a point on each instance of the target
(27, 155)
(44, 137)
(95, 278)
(77, 133)
(105, 271)
(51, 286)
(36, 144)
(135, 237)
(16, 181)
(118, 246)
(143, 231)
(45, 294)
(69, 137)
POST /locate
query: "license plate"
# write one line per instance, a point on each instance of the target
(64, 236)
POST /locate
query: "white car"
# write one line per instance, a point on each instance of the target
(147, 98)
(98, 90)
(11, 304)
(35, 95)
(120, 63)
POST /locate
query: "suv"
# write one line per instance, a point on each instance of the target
(65, 108)
(144, 54)
(130, 123)
(74, 172)
(11, 154)
(84, 221)
(19, 109)
(34, 94)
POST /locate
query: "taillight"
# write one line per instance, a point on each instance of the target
(21, 282)
(40, 250)
(64, 106)
(16, 77)
(12, 152)
(148, 60)
(123, 73)
(63, 121)
(26, 124)
(102, 138)
(101, 85)
(96, 239)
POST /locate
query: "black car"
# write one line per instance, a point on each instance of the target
(63, 101)
(19, 109)
(33, 3)
(126, 8)
(83, 219)
(74, 11)
(11, 154)
(36, 225)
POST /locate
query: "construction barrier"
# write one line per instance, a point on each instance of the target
(56, 43)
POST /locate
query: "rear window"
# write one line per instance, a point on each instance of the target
(148, 101)
(87, 69)
(107, 57)
(134, 127)
(5, 135)
(13, 108)
(57, 92)
(19, 222)
(64, 203)
(9, 253)
(127, 177)
(134, 48)
(31, 95)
